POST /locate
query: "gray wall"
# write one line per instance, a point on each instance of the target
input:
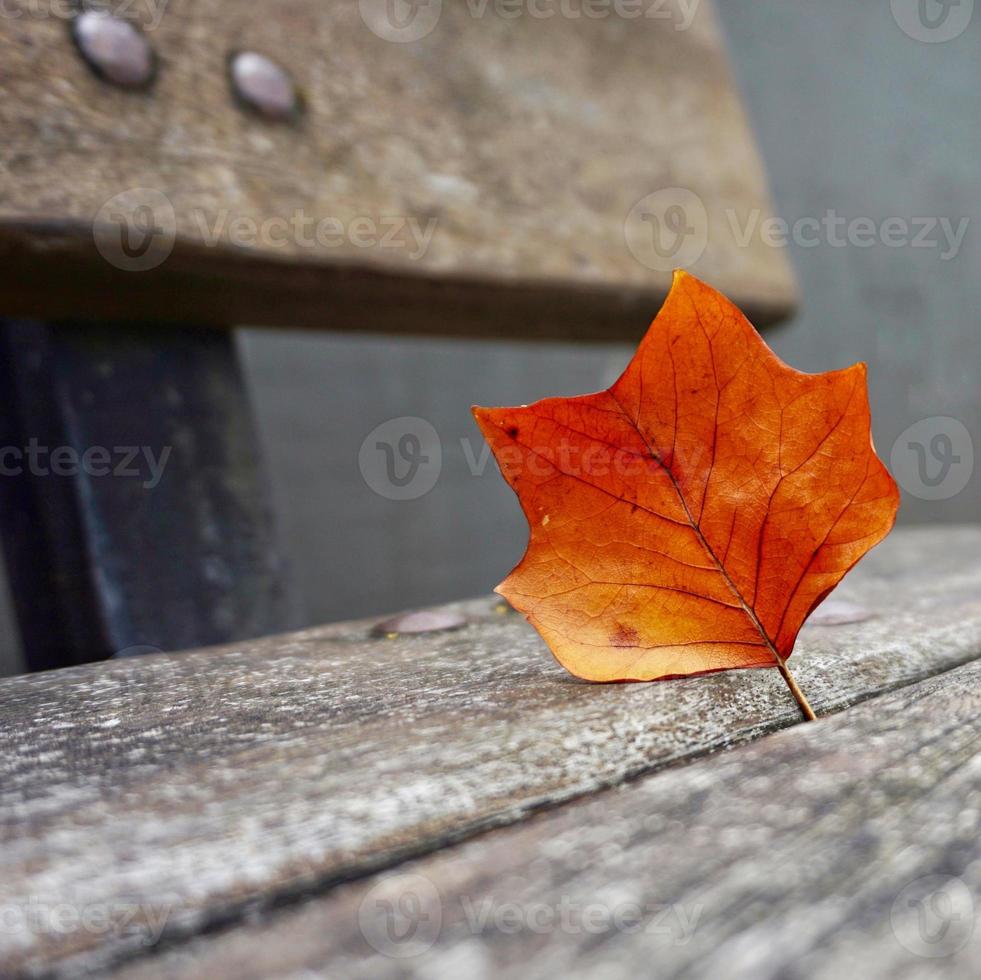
(355, 552)
(851, 114)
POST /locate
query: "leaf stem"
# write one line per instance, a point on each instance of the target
(805, 705)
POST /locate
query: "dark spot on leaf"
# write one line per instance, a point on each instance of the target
(624, 636)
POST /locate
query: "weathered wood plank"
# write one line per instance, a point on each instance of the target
(227, 778)
(477, 179)
(807, 854)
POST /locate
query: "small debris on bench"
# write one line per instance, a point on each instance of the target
(421, 621)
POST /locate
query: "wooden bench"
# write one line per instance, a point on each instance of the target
(333, 802)
(355, 799)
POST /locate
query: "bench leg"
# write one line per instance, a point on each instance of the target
(133, 507)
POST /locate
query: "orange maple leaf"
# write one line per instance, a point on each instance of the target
(691, 517)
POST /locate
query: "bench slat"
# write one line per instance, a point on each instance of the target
(810, 853)
(245, 775)
(475, 181)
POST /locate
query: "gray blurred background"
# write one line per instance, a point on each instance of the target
(850, 114)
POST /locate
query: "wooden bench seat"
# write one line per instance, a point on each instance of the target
(804, 854)
(209, 786)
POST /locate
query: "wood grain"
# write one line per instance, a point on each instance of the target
(522, 143)
(212, 782)
(806, 854)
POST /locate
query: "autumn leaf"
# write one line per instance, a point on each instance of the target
(691, 517)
